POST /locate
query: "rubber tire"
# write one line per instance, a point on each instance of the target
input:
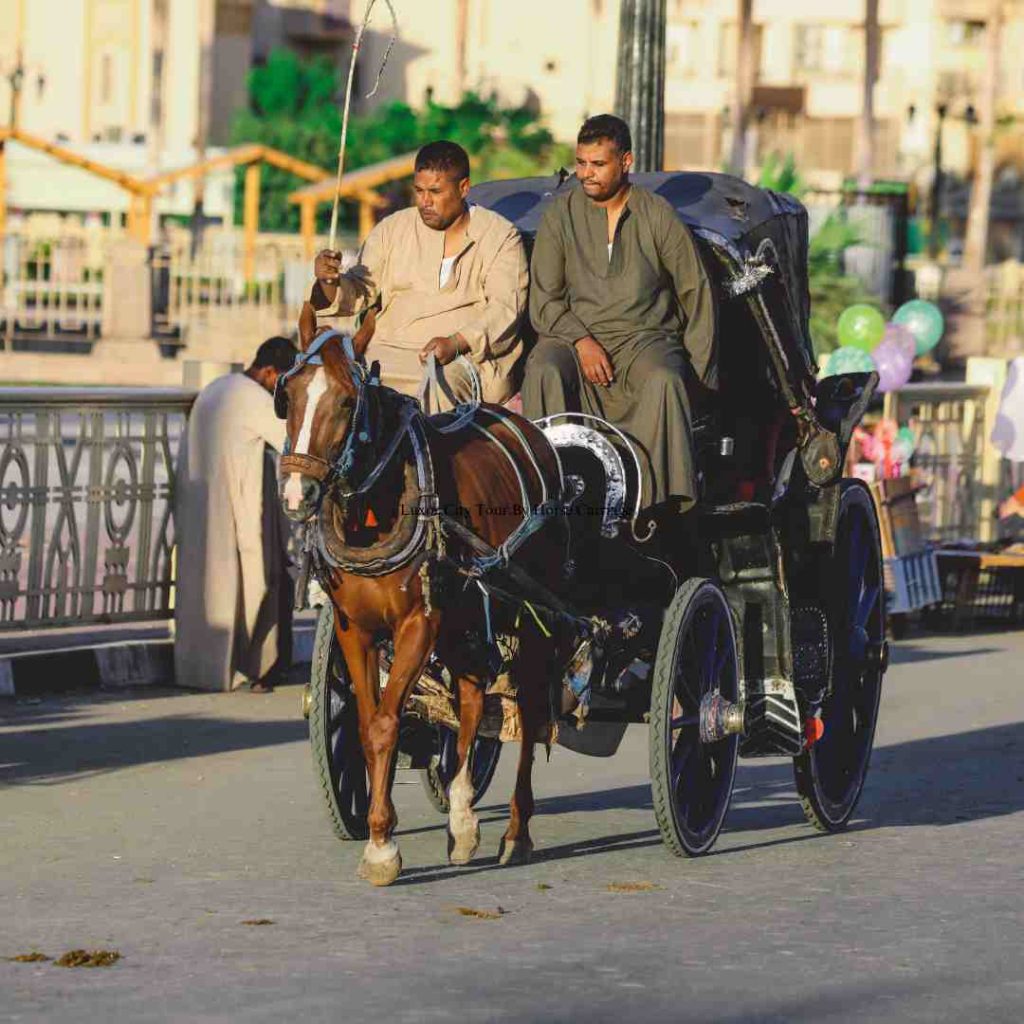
(823, 812)
(347, 817)
(688, 599)
(483, 764)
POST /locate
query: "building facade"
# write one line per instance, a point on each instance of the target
(144, 86)
(148, 85)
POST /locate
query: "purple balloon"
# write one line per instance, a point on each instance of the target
(902, 337)
(894, 364)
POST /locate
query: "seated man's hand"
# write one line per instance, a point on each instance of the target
(444, 349)
(595, 361)
(327, 267)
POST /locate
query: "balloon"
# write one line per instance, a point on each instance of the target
(924, 321)
(894, 366)
(848, 359)
(901, 336)
(906, 435)
(901, 451)
(861, 326)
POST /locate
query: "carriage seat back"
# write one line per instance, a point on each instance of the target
(596, 481)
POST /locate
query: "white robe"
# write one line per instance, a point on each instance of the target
(233, 593)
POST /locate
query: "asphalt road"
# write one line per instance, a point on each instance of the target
(157, 824)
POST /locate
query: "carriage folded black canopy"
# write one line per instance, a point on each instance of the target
(725, 213)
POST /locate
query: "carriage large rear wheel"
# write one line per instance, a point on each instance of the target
(334, 735)
(830, 776)
(691, 781)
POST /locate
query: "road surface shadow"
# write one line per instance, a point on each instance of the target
(903, 653)
(942, 780)
(48, 756)
(564, 851)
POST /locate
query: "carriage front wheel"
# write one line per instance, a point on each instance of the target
(334, 735)
(691, 780)
(830, 775)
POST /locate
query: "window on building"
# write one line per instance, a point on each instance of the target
(106, 78)
(963, 32)
(682, 45)
(727, 50)
(825, 49)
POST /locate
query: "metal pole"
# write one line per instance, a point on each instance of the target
(936, 196)
(640, 83)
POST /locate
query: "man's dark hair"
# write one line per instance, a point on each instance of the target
(277, 352)
(606, 126)
(445, 156)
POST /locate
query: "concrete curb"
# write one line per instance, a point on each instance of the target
(109, 666)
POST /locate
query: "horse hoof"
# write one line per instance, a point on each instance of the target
(462, 849)
(515, 851)
(380, 865)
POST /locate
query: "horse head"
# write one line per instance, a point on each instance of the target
(317, 398)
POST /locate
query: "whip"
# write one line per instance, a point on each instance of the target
(370, 4)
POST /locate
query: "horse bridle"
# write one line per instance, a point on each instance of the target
(337, 471)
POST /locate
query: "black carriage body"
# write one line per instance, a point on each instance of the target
(771, 536)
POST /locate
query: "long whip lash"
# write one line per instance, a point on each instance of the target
(370, 4)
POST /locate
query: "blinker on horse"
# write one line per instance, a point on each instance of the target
(362, 456)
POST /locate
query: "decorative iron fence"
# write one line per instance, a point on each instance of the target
(51, 288)
(961, 473)
(1004, 313)
(86, 491)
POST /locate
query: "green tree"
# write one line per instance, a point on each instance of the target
(294, 106)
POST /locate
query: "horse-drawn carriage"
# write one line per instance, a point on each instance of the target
(773, 644)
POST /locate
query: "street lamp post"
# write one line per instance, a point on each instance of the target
(938, 175)
(16, 80)
(936, 196)
(640, 83)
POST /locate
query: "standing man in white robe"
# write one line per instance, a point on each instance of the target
(233, 597)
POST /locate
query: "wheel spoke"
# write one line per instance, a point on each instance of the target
(682, 753)
(709, 662)
(866, 605)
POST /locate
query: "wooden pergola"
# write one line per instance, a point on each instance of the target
(252, 157)
(137, 189)
(358, 185)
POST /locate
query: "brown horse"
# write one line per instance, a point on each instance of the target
(481, 473)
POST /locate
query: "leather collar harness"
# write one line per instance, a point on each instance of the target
(417, 539)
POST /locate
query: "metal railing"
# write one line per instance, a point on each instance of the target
(86, 493)
(960, 471)
(51, 287)
(1004, 312)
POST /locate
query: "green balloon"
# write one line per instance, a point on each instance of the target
(906, 435)
(861, 326)
(849, 360)
(924, 321)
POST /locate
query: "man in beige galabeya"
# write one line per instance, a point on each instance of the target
(451, 279)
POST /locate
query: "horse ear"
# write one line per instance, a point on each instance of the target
(307, 325)
(365, 332)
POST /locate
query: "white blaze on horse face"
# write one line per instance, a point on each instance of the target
(316, 390)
